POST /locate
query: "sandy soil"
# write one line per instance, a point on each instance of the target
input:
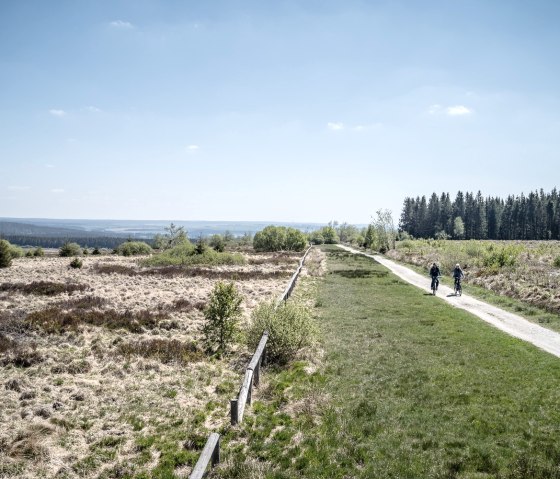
(58, 415)
(510, 323)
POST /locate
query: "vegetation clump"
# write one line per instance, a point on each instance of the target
(54, 320)
(290, 327)
(164, 350)
(70, 249)
(44, 288)
(76, 263)
(186, 254)
(279, 238)
(221, 314)
(5, 254)
(133, 248)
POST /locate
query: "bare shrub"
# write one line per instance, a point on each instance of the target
(114, 269)
(43, 288)
(165, 350)
(54, 320)
(86, 302)
(17, 354)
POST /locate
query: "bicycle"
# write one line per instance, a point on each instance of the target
(458, 289)
(435, 284)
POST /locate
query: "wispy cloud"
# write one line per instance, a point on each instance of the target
(59, 113)
(455, 110)
(339, 126)
(335, 126)
(368, 127)
(192, 148)
(93, 109)
(49, 165)
(121, 24)
(19, 188)
(458, 110)
(57, 190)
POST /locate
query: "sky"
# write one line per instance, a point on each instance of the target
(304, 110)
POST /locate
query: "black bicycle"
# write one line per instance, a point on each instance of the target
(435, 284)
(458, 289)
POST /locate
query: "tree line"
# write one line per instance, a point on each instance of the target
(535, 216)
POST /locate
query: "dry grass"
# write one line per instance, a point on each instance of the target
(164, 350)
(116, 368)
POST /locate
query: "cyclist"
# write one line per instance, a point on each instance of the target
(435, 274)
(457, 276)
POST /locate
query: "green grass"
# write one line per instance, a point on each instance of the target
(417, 389)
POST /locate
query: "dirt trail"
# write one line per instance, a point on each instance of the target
(508, 322)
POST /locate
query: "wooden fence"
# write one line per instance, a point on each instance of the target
(211, 452)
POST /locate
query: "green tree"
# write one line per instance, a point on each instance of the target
(218, 242)
(458, 228)
(221, 316)
(295, 240)
(5, 256)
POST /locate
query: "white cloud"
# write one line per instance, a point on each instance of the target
(59, 113)
(93, 109)
(57, 190)
(49, 165)
(19, 188)
(121, 24)
(192, 148)
(458, 110)
(455, 110)
(335, 126)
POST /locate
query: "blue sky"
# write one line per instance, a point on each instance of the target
(280, 111)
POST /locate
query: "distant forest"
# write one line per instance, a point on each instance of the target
(471, 216)
(57, 242)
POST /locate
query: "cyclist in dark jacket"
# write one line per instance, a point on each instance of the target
(435, 273)
(458, 272)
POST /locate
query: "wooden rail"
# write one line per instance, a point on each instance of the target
(211, 452)
(252, 377)
(288, 291)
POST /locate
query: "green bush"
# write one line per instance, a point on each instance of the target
(500, 256)
(218, 243)
(132, 248)
(295, 240)
(221, 315)
(39, 252)
(556, 262)
(279, 238)
(70, 249)
(96, 251)
(316, 238)
(29, 253)
(16, 251)
(290, 326)
(76, 263)
(5, 255)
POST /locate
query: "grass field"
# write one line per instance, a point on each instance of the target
(409, 388)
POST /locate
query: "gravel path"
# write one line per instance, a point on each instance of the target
(510, 323)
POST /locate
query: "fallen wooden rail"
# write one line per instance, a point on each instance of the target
(252, 377)
(211, 452)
